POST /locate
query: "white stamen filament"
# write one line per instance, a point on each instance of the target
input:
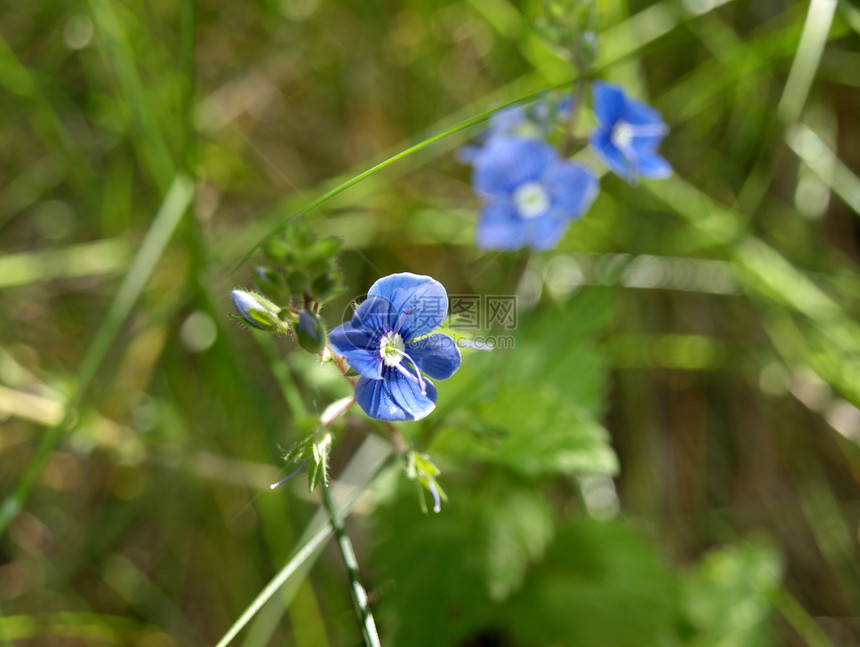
(393, 352)
(417, 374)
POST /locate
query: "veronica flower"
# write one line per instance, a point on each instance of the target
(628, 135)
(531, 194)
(535, 120)
(388, 342)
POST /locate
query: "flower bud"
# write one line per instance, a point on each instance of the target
(271, 284)
(325, 286)
(298, 281)
(310, 332)
(325, 249)
(278, 250)
(257, 311)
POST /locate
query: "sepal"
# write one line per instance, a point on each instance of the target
(271, 283)
(423, 471)
(316, 449)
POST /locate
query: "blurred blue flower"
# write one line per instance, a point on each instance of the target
(531, 193)
(628, 135)
(535, 120)
(388, 342)
(507, 120)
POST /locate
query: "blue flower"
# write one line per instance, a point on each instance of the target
(531, 193)
(535, 121)
(388, 342)
(628, 135)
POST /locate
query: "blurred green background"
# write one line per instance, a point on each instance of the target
(668, 456)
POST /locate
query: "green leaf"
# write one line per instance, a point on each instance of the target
(599, 584)
(519, 525)
(727, 597)
(446, 572)
(533, 431)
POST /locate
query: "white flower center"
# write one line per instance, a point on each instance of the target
(391, 348)
(531, 199)
(622, 135)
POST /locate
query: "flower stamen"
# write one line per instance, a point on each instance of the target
(416, 376)
(391, 348)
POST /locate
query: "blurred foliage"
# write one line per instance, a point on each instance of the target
(667, 456)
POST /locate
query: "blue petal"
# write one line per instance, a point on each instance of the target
(501, 228)
(360, 348)
(395, 397)
(547, 231)
(436, 355)
(375, 314)
(610, 104)
(640, 114)
(507, 119)
(645, 145)
(601, 144)
(564, 107)
(506, 162)
(419, 304)
(572, 186)
(653, 166)
(467, 154)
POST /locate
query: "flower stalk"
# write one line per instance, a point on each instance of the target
(356, 590)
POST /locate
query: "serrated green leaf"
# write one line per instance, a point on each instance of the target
(519, 525)
(534, 432)
(476, 552)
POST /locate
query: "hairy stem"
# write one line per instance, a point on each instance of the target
(356, 590)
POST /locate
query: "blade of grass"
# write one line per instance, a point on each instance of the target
(188, 37)
(164, 224)
(819, 18)
(119, 53)
(328, 195)
(810, 148)
(105, 256)
(799, 619)
(86, 627)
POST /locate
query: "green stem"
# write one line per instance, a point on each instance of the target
(356, 590)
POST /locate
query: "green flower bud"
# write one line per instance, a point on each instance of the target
(326, 286)
(297, 280)
(257, 311)
(278, 250)
(324, 249)
(310, 332)
(298, 235)
(271, 283)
